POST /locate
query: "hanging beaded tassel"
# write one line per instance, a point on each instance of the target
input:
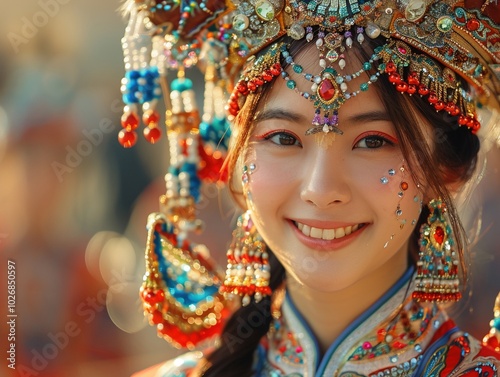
(492, 339)
(152, 91)
(182, 180)
(248, 270)
(140, 86)
(214, 128)
(180, 292)
(437, 269)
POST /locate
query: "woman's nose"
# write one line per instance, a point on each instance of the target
(324, 182)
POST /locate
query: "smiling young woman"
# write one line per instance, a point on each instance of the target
(343, 218)
(351, 247)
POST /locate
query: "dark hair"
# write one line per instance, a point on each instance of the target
(451, 159)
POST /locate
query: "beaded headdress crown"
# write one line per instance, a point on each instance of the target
(428, 48)
(439, 40)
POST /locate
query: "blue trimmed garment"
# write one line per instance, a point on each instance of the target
(395, 337)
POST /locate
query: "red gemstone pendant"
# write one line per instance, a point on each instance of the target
(327, 90)
(439, 235)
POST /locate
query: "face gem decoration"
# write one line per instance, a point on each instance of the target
(403, 186)
(245, 179)
(384, 180)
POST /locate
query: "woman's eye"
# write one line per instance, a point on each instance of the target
(283, 138)
(372, 142)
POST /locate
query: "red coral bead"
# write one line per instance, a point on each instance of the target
(423, 91)
(462, 120)
(412, 89)
(130, 121)
(234, 104)
(127, 139)
(267, 75)
(241, 87)
(413, 79)
(432, 98)
(275, 69)
(152, 134)
(390, 67)
(475, 126)
(402, 87)
(233, 111)
(439, 105)
(470, 122)
(450, 106)
(150, 117)
(251, 86)
(394, 78)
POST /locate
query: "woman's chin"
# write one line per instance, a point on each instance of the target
(322, 281)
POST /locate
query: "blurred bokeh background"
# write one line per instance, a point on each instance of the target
(73, 202)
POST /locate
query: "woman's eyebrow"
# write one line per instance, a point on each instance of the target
(278, 113)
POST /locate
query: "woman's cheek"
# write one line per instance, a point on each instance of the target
(268, 177)
(264, 188)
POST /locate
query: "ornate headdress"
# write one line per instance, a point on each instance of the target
(428, 48)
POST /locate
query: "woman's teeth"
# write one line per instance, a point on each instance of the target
(326, 234)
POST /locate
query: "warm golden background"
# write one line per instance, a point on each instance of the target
(73, 203)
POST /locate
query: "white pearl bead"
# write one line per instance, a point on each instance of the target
(246, 300)
(372, 30)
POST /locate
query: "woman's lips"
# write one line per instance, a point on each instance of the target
(326, 237)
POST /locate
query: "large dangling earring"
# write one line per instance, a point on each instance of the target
(437, 268)
(180, 288)
(248, 270)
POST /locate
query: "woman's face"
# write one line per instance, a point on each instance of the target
(333, 215)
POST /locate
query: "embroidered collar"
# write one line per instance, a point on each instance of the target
(389, 337)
